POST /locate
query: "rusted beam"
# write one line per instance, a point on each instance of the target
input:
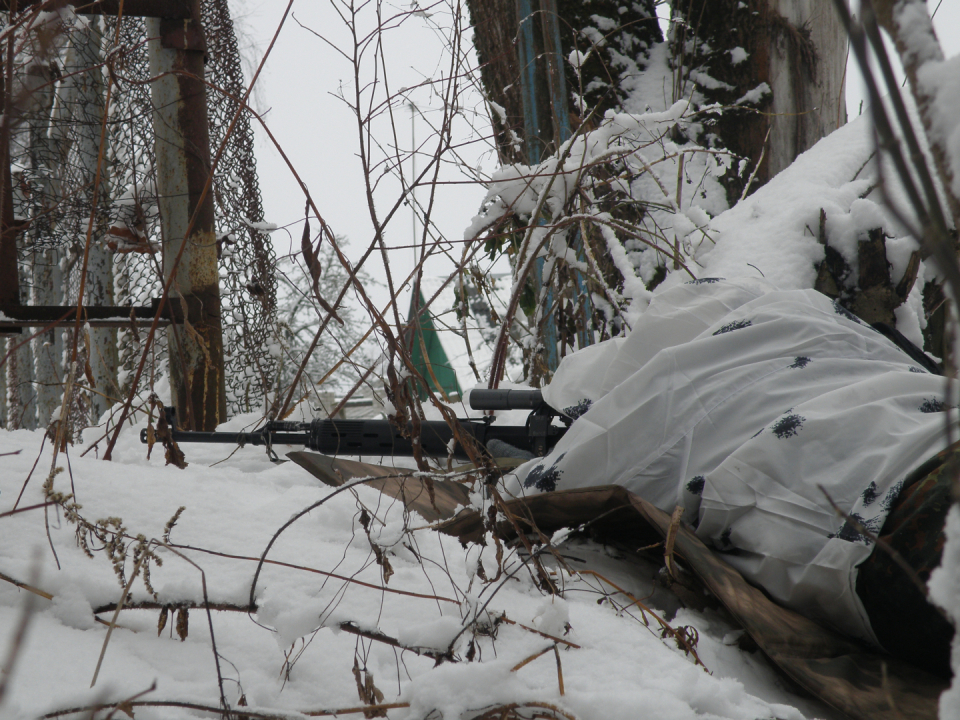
(178, 9)
(183, 167)
(14, 316)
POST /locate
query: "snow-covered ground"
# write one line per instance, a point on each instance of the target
(356, 558)
(289, 655)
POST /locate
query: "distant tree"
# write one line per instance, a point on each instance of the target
(329, 368)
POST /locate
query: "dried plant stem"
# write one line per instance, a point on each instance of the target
(556, 651)
(353, 710)
(291, 521)
(504, 712)
(26, 586)
(664, 625)
(354, 629)
(529, 659)
(20, 634)
(90, 710)
(756, 167)
(279, 563)
(116, 614)
(206, 602)
(504, 618)
(25, 509)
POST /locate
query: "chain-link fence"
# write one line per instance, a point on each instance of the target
(82, 150)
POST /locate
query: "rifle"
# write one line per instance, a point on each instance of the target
(382, 438)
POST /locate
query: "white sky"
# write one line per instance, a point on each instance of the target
(318, 132)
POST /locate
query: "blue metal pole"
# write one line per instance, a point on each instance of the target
(558, 100)
(534, 150)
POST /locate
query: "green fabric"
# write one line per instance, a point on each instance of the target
(428, 355)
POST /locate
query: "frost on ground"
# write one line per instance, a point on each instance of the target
(291, 653)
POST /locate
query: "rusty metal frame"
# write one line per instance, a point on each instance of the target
(168, 9)
(184, 167)
(14, 317)
(131, 8)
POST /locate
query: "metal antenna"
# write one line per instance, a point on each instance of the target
(413, 173)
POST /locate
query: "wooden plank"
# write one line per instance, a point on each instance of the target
(399, 483)
(863, 684)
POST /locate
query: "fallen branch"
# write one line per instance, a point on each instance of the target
(89, 710)
(354, 629)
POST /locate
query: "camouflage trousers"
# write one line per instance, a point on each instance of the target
(906, 624)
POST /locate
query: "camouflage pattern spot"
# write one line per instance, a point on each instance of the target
(695, 486)
(932, 405)
(543, 479)
(575, 411)
(843, 312)
(735, 325)
(788, 426)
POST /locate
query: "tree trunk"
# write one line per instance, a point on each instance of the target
(614, 55)
(539, 91)
(777, 66)
(807, 77)
(46, 281)
(21, 399)
(3, 384)
(90, 91)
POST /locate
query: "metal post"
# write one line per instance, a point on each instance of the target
(544, 87)
(559, 101)
(534, 146)
(183, 166)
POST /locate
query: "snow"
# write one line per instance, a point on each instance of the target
(290, 654)
(770, 228)
(266, 227)
(941, 80)
(738, 55)
(752, 97)
(235, 507)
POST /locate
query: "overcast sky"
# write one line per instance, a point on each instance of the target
(317, 130)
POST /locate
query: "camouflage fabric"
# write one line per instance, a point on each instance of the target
(904, 622)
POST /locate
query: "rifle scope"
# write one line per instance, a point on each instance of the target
(505, 399)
